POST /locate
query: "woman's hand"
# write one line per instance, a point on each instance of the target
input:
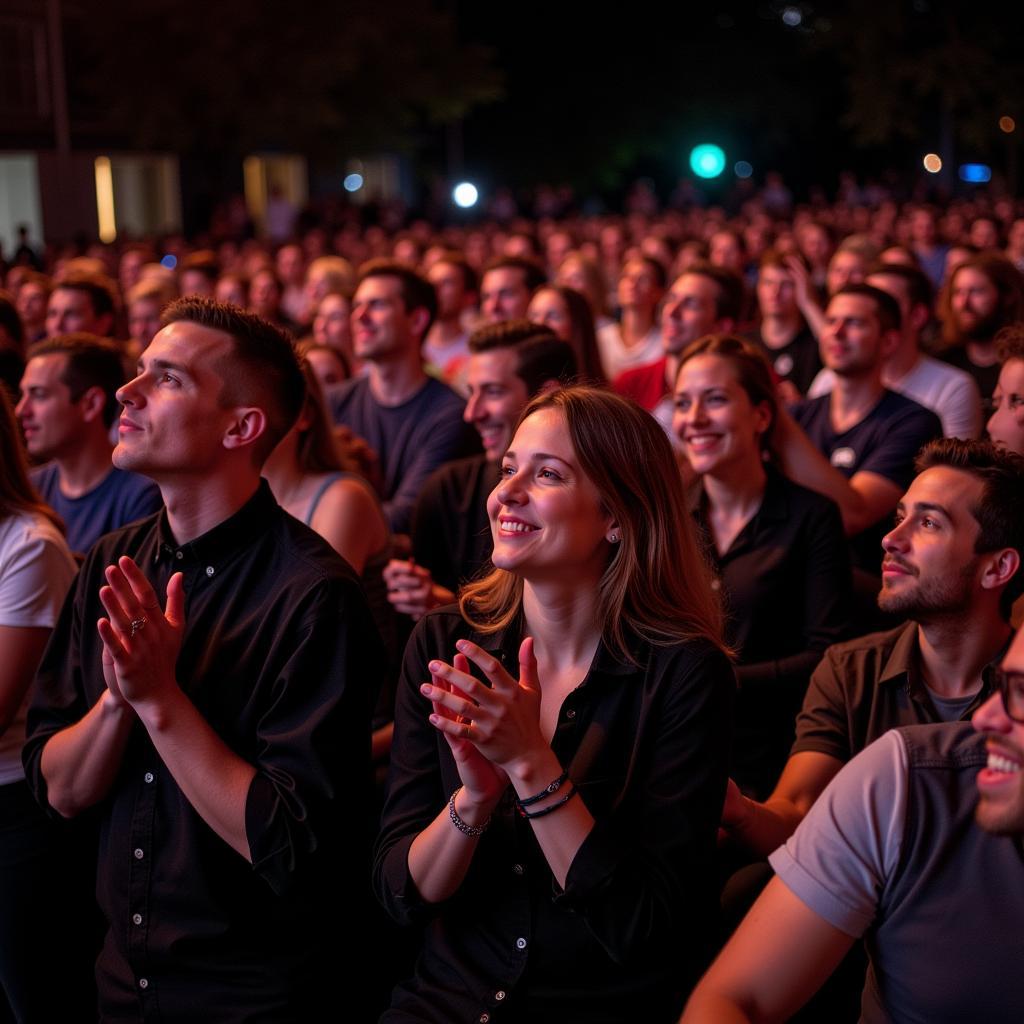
(501, 722)
(482, 782)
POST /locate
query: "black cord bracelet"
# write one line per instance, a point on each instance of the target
(554, 807)
(552, 787)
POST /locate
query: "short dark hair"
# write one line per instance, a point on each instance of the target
(919, 285)
(998, 514)
(417, 292)
(470, 281)
(89, 362)
(263, 368)
(101, 291)
(655, 266)
(729, 301)
(541, 355)
(1010, 342)
(533, 273)
(886, 307)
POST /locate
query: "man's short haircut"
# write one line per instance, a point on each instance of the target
(541, 355)
(101, 291)
(730, 295)
(863, 245)
(416, 291)
(998, 514)
(533, 273)
(919, 285)
(262, 369)
(453, 258)
(204, 262)
(152, 289)
(887, 308)
(89, 362)
(1010, 342)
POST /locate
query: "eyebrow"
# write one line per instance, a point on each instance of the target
(166, 364)
(926, 506)
(540, 457)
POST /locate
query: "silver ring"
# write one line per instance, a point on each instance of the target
(136, 626)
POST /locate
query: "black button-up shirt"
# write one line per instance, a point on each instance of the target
(647, 748)
(276, 657)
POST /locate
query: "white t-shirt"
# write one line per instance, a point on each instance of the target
(950, 393)
(36, 570)
(615, 357)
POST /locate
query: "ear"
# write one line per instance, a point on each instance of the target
(419, 317)
(764, 416)
(890, 343)
(613, 534)
(919, 316)
(247, 425)
(92, 403)
(999, 568)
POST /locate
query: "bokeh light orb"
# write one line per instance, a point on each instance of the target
(353, 182)
(932, 163)
(1007, 124)
(743, 169)
(465, 194)
(707, 160)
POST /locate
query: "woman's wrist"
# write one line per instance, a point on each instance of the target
(473, 809)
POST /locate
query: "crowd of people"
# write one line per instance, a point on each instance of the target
(630, 584)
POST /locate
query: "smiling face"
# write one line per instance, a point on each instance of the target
(51, 422)
(715, 419)
(1000, 783)
(173, 422)
(547, 307)
(547, 518)
(497, 395)
(504, 295)
(1006, 424)
(381, 325)
(690, 311)
(331, 323)
(930, 569)
(852, 342)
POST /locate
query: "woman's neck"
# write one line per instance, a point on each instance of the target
(738, 489)
(562, 618)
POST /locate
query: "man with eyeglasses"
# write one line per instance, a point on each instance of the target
(950, 567)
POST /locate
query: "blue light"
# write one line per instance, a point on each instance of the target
(975, 173)
(353, 182)
(465, 194)
(743, 169)
(707, 160)
(169, 261)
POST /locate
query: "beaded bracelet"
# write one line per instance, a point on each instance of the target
(552, 787)
(553, 807)
(466, 830)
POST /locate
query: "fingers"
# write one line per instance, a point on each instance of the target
(489, 665)
(175, 610)
(141, 589)
(528, 666)
(113, 649)
(443, 698)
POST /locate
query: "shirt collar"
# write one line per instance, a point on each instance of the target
(215, 547)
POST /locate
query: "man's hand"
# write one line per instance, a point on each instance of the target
(411, 589)
(141, 641)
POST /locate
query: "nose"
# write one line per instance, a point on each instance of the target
(992, 716)
(130, 393)
(510, 489)
(472, 411)
(19, 409)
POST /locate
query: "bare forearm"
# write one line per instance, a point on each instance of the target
(441, 854)
(81, 762)
(762, 828)
(213, 778)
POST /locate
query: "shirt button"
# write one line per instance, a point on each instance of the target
(500, 994)
(136, 919)
(179, 555)
(209, 570)
(520, 943)
(139, 854)
(143, 982)
(518, 869)
(148, 776)
(571, 713)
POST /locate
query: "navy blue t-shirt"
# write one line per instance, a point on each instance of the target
(885, 442)
(119, 499)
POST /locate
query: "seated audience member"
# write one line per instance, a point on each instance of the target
(849, 265)
(580, 272)
(985, 294)
(557, 826)
(32, 299)
(869, 434)
(145, 302)
(777, 550)
(326, 274)
(332, 326)
(221, 738)
(232, 290)
(950, 566)
(506, 287)
(329, 366)
(783, 334)
(702, 300)
(950, 393)
(290, 264)
(1006, 424)
(81, 303)
(636, 339)
(12, 346)
(446, 347)
(68, 403)
(413, 422)
(199, 274)
(37, 884)
(566, 312)
(916, 847)
(265, 293)
(509, 364)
